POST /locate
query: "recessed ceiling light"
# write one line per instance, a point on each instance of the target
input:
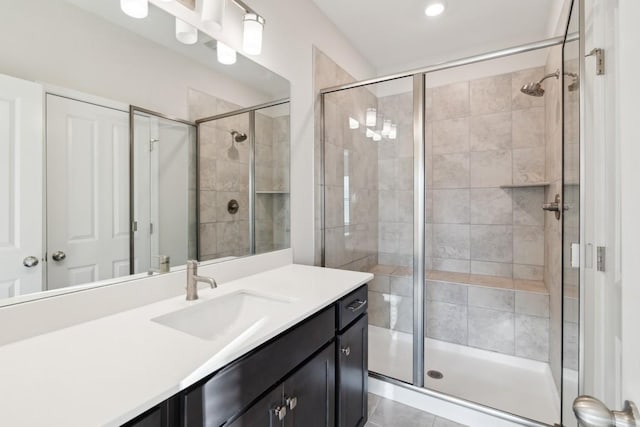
(435, 8)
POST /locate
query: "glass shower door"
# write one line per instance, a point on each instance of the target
(164, 191)
(368, 223)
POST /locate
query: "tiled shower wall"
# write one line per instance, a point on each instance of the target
(486, 135)
(272, 182)
(224, 175)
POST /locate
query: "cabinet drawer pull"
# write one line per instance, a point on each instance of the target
(356, 305)
(291, 402)
(346, 351)
(280, 412)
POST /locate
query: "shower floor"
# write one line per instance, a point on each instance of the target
(511, 384)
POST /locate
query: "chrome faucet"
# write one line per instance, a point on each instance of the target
(193, 279)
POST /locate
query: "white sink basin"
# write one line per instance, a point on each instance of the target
(229, 318)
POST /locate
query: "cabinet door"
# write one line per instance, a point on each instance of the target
(310, 392)
(353, 374)
(263, 413)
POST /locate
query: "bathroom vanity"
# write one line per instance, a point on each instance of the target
(284, 345)
(314, 374)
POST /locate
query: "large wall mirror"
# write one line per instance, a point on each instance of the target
(122, 148)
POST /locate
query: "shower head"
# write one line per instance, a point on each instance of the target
(535, 88)
(238, 137)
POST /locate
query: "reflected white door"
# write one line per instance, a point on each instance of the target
(87, 192)
(20, 186)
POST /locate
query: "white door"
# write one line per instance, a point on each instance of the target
(20, 186)
(87, 192)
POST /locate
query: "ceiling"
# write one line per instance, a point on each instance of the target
(397, 35)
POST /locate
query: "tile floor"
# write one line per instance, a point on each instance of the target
(387, 413)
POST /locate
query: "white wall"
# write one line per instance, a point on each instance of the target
(69, 47)
(629, 97)
(292, 28)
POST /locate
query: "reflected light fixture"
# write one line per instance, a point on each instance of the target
(386, 127)
(353, 123)
(252, 38)
(377, 137)
(435, 8)
(226, 55)
(213, 14)
(371, 117)
(135, 8)
(185, 32)
(393, 133)
(370, 133)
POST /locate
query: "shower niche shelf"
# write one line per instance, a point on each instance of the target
(526, 185)
(272, 192)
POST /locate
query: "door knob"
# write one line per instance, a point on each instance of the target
(593, 413)
(30, 261)
(58, 256)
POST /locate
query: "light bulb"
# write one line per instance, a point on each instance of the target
(252, 37)
(186, 33)
(435, 8)
(226, 55)
(371, 117)
(213, 13)
(353, 123)
(386, 127)
(393, 132)
(135, 8)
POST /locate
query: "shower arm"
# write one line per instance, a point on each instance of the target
(556, 74)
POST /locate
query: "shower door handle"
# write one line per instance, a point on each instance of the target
(593, 413)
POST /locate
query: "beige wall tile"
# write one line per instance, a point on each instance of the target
(490, 168)
(490, 95)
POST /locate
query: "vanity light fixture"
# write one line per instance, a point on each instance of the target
(393, 133)
(371, 117)
(252, 38)
(353, 123)
(226, 55)
(435, 8)
(185, 32)
(213, 13)
(135, 8)
(386, 127)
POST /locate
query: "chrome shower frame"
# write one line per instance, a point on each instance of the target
(419, 78)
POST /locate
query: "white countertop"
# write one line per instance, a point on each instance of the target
(107, 371)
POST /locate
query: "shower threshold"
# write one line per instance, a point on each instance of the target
(511, 384)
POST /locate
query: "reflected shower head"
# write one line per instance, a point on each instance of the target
(535, 88)
(238, 137)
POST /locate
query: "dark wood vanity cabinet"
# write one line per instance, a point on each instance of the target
(313, 375)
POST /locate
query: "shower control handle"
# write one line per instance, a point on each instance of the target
(593, 413)
(553, 206)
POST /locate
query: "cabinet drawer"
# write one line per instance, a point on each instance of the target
(349, 308)
(226, 393)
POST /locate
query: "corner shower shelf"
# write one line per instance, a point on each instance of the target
(526, 185)
(272, 192)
